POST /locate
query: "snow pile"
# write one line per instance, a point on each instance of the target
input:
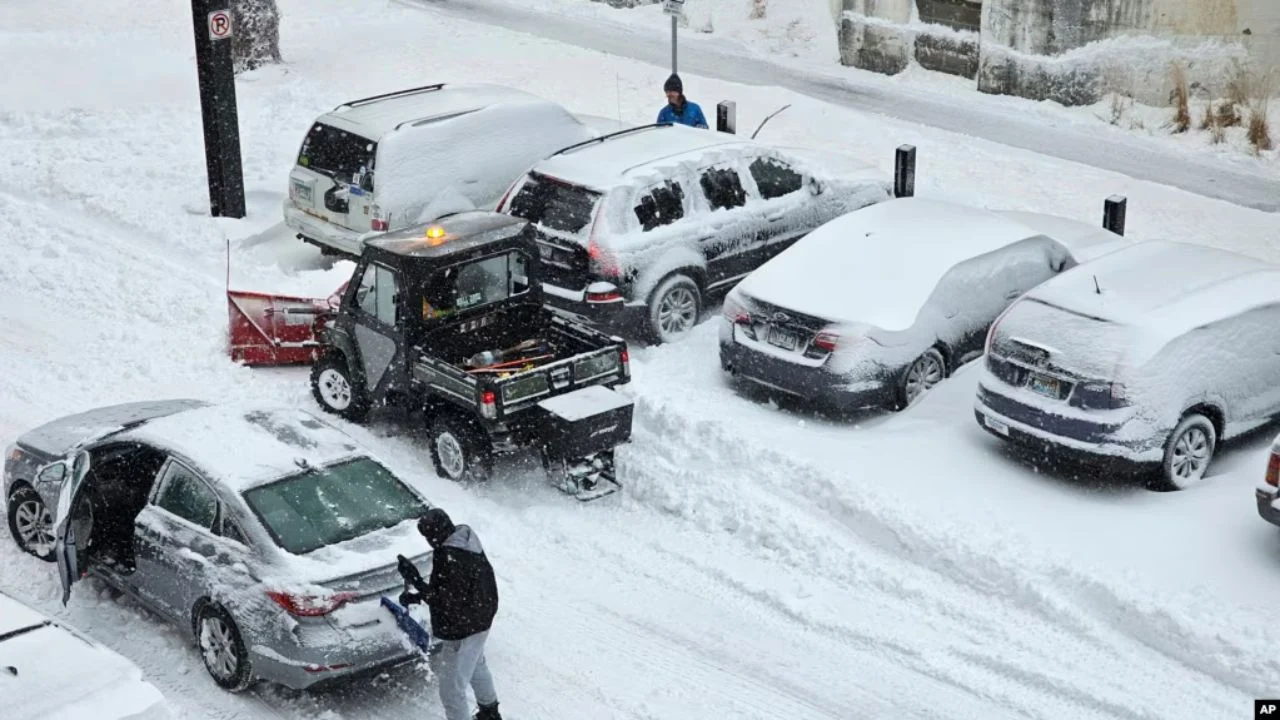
(1138, 66)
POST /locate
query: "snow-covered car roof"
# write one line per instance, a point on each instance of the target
(879, 264)
(49, 671)
(1086, 241)
(1165, 288)
(378, 117)
(61, 434)
(245, 445)
(605, 164)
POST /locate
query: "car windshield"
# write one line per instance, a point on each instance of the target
(553, 204)
(335, 152)
(329, 505)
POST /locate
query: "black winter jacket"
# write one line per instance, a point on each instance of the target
(463, 593)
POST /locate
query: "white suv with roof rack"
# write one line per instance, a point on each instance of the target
(647, 221)
(389, 161)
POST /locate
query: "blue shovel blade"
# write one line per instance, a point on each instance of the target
(410, 627)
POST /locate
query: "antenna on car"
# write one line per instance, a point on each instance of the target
(767, 119)
(1097, 287)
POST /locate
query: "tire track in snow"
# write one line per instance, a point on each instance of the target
(884, 531)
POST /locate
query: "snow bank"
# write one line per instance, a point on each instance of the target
(1138, 66)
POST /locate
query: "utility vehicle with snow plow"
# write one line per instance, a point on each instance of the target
(449, 318)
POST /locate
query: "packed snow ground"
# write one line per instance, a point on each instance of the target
(760, 563)
(932, 99)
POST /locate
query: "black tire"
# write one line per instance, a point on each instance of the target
(1187, 453)
(919, 378)
(337, 390)
(460, 450)
(674, 309)
(216, 632)
(31, 520)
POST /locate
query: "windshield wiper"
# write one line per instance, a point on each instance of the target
(23, 631)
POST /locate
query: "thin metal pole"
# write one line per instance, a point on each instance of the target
(673, 44)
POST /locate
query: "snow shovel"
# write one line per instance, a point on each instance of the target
(413, 629)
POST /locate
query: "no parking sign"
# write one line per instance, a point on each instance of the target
(219, 24)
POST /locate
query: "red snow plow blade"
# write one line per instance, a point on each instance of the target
(273, 329)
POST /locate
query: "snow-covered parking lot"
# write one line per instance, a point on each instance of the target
(760, 562)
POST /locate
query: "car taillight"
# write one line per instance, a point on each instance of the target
(489, 404)
(1273, 470)
(507, 195)
(826, 340)
(310, 605)
(602, 292)
(735, 312)
(625, 357)
(378, 222)
(1119, 397)
(602, 261)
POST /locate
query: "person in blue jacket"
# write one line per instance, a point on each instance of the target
(678, 108)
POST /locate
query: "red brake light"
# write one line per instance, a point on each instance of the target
(488, 397)
(625, 356)
(503, 202)
(1273, 470)
(735, 312)
(605, 296)
(310, 605)
(826, 340)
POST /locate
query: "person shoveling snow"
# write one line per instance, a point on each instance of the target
(463, 598)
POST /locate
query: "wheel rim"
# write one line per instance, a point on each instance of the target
(1191, 455)
(335, 389)
(217, 645)
(923, 374)
(677, 311)
(35, 526)
(452, 459)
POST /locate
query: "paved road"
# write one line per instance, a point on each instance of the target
(1130, 156)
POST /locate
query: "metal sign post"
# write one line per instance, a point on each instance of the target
(674, 8)
(216, 74)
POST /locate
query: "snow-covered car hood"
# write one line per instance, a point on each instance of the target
(54, 673)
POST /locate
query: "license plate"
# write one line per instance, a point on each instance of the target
(546, 251)
(783, 339)
(1045, 386)
(303, 191)
(995, 424)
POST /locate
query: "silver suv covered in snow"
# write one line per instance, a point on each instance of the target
(1153, 354)
(648, 220)
(390, 161)
(266, 535)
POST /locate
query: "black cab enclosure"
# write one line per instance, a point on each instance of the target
(448, 318)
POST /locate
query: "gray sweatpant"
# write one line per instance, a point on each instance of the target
(461, 664)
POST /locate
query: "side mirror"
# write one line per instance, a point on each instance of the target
(54, 472)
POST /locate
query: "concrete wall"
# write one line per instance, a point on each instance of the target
(1071, 51)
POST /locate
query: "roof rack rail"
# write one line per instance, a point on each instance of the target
(436, 118)
(608, 136)
(384, 96)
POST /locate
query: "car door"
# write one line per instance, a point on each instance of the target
(728, 233)
(784, 204)
(67, 550)
(374, 318)
(174, 541)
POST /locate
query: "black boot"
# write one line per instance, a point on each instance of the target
(487, 712)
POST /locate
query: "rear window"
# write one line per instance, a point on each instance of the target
(330, 505)
(335, 152)
(556, 205)
(475, 284)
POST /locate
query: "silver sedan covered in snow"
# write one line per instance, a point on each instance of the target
(879, 305)
(266, 535)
